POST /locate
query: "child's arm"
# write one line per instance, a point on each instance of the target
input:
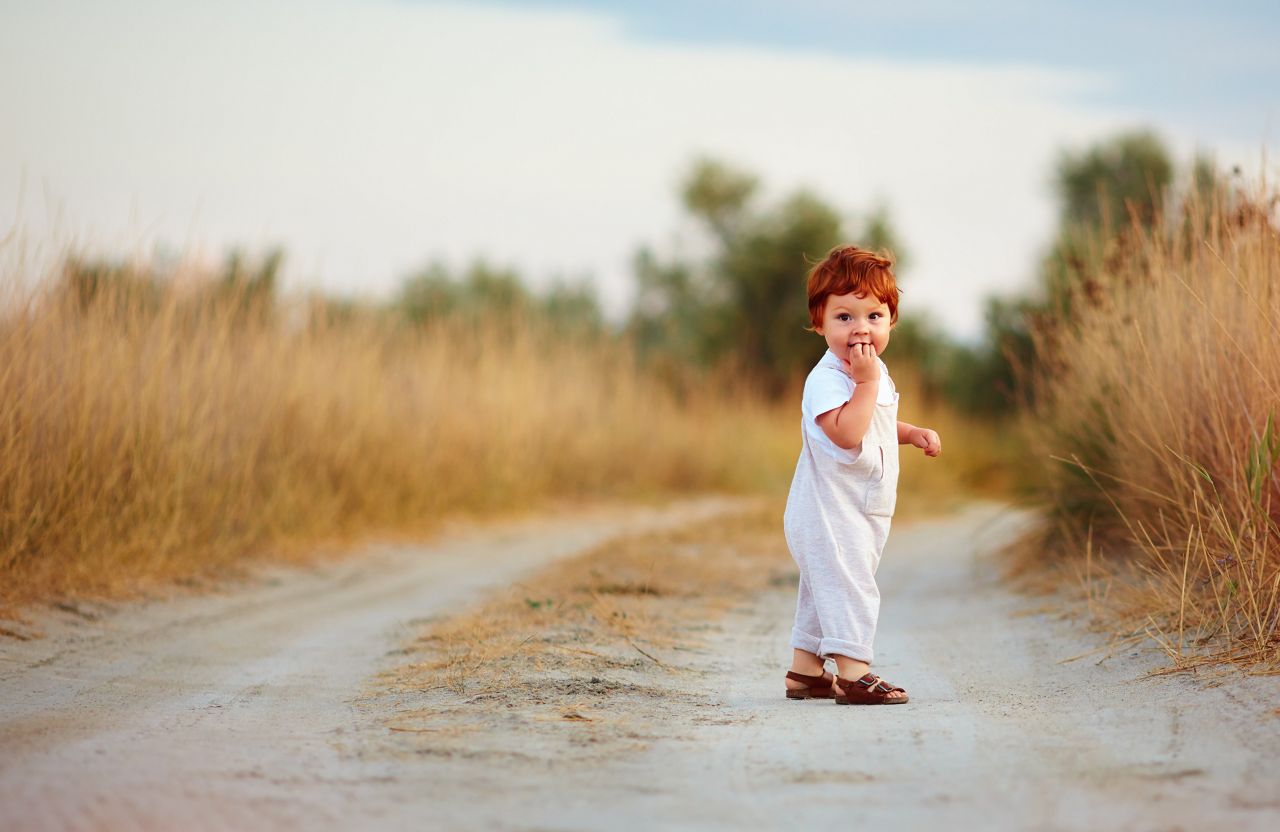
(848, 423)
(909, 434)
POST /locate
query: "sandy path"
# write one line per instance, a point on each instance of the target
(1000, 734)
(230, 711)
(245, 712)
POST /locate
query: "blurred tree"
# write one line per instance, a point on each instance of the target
(104, 284)
(719, 195)
(483, 290)
(1110, 182)
(251, 287)
(672, 320)
(429, 294)
(745, 302)
(572, 306)
(918, 341)
(762, 268)
(1101, 190)
(987, 379)
(878, 234)
(435, 293)
(487, 289)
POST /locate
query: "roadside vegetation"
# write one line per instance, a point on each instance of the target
(152, 434)
(167, 421)
(1153, 392)
(163, 421)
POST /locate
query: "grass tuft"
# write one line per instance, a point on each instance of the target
(1156, 412)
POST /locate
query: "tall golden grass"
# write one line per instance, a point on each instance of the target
(149, 438)
(1157, 408)
(150, 432)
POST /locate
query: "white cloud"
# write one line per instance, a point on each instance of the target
(369, 137)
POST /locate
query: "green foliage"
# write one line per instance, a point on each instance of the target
(878, 234)
(1261, 461)
(483, 290)
(251, 287)
(743, 304)
(1102, 190)
(1124, 177)
(762, 272)
(91, 283)
(259, 280)
(980, 378)
(719, 195)
(573, 306)
(672, 320)
(993, 384)
(431, 293)
(246, 287)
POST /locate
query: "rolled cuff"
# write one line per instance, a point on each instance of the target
(838, 647)
(801, 640)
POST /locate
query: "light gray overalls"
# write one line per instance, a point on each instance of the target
(836, 523)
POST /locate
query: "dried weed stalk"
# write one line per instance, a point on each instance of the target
(1158, 414)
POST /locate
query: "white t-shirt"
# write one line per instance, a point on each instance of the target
(829, 386)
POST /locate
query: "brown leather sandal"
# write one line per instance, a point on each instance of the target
(869, 690)
(819, 687)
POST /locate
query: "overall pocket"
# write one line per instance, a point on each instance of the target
(882, 486)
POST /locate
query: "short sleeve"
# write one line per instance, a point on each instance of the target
(826, 389)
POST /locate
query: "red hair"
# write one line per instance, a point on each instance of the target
(848, 269)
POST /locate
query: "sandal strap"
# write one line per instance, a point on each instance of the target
(811, 681)
(874, 683)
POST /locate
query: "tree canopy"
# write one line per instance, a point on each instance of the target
(744, 302)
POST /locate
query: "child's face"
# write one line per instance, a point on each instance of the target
(854, 319)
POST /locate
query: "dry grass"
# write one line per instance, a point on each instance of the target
(979, 458)
(146, 439)
(1158, 406)
(586, 656)
(149, 434)
(628, 603)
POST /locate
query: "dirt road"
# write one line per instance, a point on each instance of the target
(250, 710)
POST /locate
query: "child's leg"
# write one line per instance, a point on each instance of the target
(809, 664)
(842, 582)
(806, 634)
(847, 602)
(847, 668)
(846, 597)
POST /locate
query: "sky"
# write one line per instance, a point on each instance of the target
(371, 137)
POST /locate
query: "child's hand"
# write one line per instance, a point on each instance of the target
(862, 363)
(926, 439)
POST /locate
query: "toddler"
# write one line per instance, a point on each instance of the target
(845, 486)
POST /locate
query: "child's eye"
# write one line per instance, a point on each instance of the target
(876, 315)
(844, 316)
